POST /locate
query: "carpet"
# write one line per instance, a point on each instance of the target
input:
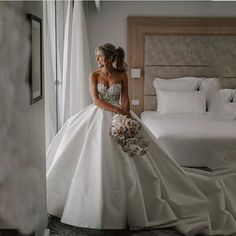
(57, 228)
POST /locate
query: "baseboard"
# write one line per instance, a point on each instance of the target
(12, 232)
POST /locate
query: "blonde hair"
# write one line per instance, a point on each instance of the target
(116, 54)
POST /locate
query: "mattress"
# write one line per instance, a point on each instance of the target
(194, 140)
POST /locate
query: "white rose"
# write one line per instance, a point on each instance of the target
(128, 123)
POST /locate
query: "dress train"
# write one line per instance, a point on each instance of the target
(93, 183)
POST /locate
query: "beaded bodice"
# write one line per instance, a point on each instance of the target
(110, 94)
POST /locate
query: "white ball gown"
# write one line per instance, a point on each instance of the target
(92, 183)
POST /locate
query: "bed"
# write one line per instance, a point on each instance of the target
(194, 140)
(191, 55)
(195, 121)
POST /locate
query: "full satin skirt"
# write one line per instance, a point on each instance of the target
(92, 183)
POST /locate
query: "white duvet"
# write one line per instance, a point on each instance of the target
(195, 140)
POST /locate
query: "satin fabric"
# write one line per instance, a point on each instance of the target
(92, 183)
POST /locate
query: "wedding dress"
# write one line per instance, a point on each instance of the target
(93, 183)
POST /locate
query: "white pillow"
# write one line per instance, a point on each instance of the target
(230, 110)
(183, 84)
(218, 98)
(226, 95)
(207, 84)
(226, 111)
(171, 102)
(234, 96)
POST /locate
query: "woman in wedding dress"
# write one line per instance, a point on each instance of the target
(93, 183)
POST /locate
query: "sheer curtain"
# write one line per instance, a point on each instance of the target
(49, 39)
(76, 64)
(67, 63)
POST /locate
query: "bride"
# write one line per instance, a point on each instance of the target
(93, 183)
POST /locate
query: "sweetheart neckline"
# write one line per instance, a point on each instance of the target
(109, 86)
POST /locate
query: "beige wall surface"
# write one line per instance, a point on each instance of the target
(22, 139)
(37, 134)
(110, 23)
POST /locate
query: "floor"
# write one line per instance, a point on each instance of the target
(12, 232)
(57, 228)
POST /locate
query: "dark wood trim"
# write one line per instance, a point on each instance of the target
(33, 100)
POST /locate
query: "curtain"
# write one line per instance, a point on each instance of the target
(67, 63)
(76, 63)
(49, 39)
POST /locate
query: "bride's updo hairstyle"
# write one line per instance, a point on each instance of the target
(116, 54)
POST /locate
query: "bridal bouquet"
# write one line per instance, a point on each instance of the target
(125, 131)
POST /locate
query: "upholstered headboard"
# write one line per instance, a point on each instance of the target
(179, 47)
(174, 56)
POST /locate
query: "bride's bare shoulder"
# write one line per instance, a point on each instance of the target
(93, 76)
(95, 73)
(123, 76)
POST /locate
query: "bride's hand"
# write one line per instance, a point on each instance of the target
(127, 113)
(121, 111)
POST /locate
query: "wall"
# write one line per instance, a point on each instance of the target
(22, 139)
(37, 135)
(110, 23)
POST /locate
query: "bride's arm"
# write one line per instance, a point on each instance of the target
(125, 95)
(96, 100)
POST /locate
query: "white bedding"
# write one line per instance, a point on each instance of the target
(194, 140)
